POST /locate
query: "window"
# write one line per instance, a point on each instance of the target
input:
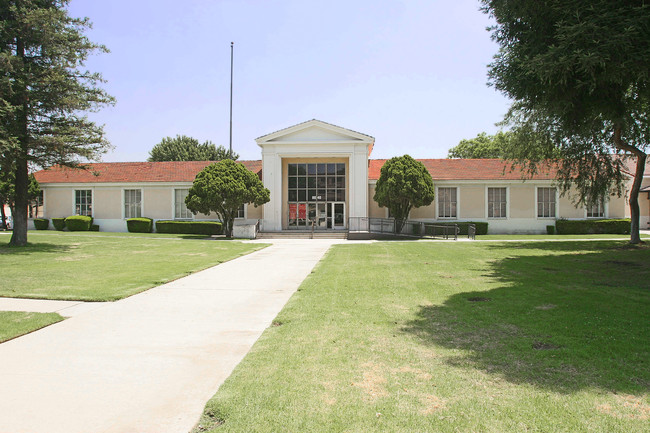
(545, 202)
(83, 202)
(132, 203)
(497, 203)
(596, 210)
(180, 210)
(447, 203)
(241, 212)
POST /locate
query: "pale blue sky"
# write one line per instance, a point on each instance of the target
(410, 73)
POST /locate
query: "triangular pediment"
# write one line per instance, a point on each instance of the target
(314, 131)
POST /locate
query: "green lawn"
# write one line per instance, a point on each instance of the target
(16, 323)
(453, 337)
(105, 267)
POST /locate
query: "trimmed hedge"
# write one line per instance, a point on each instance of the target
(481, 227)
(139, 225)
(189, 227)
(550, 230)
(79, 223)
(94, 228)
(41, 223)
(587, 227)
(58, 223)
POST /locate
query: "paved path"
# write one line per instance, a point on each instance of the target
(64, 308)
(149, 363)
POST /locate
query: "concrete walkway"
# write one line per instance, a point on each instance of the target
(64, 308)
(150, 362)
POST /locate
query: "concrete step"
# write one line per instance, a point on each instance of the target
(302, 235)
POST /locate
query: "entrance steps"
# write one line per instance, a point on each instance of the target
(303, 235)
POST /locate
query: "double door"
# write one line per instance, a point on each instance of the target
(325, 215)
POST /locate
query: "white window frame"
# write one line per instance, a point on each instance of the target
(487, 203)
(245, 213)
(74, 200)
(191, 217)
(605, 204)
(124, 202)
(438, 216)
(557, 203)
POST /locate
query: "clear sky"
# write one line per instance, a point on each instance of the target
(410, 73)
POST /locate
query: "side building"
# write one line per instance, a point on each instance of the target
(320, 172)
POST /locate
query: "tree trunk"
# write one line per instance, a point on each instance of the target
(19, 235)
(3, 221)
(641, 156)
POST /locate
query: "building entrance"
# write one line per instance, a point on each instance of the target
(316, 193)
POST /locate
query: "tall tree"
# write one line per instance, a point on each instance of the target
(222, 188)
(578, 73)
(482, 146)
(44, 92)
(184, 148)
(403, 184)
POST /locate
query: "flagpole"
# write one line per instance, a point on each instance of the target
(231, 63)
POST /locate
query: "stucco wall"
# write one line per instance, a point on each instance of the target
(374, 211)
(253, 212)
(107, 203)
(157, 202)
(471, 202)
(522, 201)
(58, 202)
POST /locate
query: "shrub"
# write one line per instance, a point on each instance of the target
(481, 227)
(550, 230)
(189, 227)
(58, 223)
(139, 225)
(94, 228)
(78, 223)
(41, 223)
(586, 227)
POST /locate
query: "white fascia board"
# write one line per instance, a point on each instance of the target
(311, 123)
(126, 185)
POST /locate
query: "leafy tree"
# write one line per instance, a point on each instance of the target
(482, 146)
(403, 184)
(184, 148)
(7, 193)
(577, 71)
(44, 92)
(223, 188)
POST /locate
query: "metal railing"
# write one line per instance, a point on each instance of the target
(410, 228)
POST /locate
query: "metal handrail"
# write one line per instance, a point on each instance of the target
(410, 228)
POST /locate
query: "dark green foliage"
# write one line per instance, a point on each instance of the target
(587, 227)
(45, 91)
(403, 184)
(184, 148)
(483, 146)
(41, 223)
(189, 227)
(94, 228)
(222, 188)
(58, 223)
(550, 230)
(481, 227)
(577, 72)
(78, 223)
(139, 225)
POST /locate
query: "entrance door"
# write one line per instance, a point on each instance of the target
(338, 215)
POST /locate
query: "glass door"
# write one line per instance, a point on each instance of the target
(338, 212)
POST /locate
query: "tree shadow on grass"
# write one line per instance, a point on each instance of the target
(565, 317)
(31, 248)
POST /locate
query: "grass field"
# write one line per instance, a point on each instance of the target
(453, 337)
(16, 323)
(105, 267)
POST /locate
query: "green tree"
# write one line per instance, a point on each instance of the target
(403, 184)
(482, 146)
(223, 188)
(44, 93)
(7, 193)
(184, 148)
(578, 74)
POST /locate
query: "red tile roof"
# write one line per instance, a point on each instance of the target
(114, 172)
(185, 171)
(466, 169)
